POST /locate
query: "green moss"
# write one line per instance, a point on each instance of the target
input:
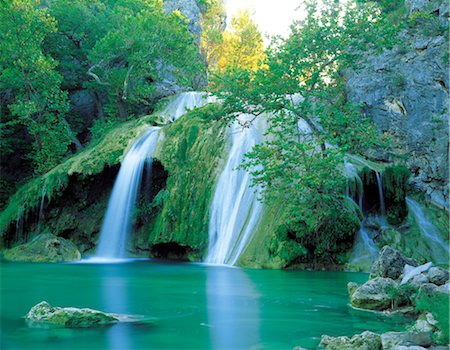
(108, 150)
(438, 305)
(408, 238)
(190, 151)
(276, 244)
(395, 185)
(262, 251)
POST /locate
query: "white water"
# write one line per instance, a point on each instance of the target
(118, 219)
(365, 250)
(439, 249)
(380, 193)
(184, 102)
(235, 209)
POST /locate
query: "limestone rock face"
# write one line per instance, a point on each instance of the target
(376, 294)
(390, 263)
(406, 92)
(44, 248)
(191, 10)
(44, 313)
(364, 341)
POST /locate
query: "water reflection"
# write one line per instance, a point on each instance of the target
(233, 309)
(115, 300)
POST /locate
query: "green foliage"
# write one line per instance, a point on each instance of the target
(395, 184)
(213, 24)
(401, 295)
(106, 151)
(428, 23)
(311, 125)
(242, 44)
(146, 47)
(29, 79)
(438, 305)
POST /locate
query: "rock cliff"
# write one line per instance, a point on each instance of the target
(405, 91)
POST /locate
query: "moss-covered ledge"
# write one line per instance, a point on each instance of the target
(106, 152)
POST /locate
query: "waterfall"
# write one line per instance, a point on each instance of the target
(365, 250)
(439, 249)
(184, 102)
(381, 194)
(118, 219)
(235, 208)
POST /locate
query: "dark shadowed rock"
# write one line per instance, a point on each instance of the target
(438, 276)
(390, 263)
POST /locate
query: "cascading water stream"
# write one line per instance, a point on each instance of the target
(184, 102)
(439, 249)
(381, 194)
(235, 209)
(365, 250)
(118, 218)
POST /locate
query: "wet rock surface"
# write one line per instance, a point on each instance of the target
(44, 248)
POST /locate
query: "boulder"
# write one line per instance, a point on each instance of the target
(418, 280)
(438, 276)
(410, 271)
(351, 287)
(44, 248)
(390, 340)
(376, 294)
(364, 341)
(390, 263)
(45, 314)
(413, 347)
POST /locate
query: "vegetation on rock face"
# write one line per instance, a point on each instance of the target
(30, 87)
(111, 54)
(44, 248)
(190, 152)
(395, 184)
(311, 124)
(107, 151)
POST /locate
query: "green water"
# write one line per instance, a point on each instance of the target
(197, 306)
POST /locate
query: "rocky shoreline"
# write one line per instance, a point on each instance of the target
(399, 284)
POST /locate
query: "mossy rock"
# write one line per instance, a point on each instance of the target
(44, 248)
(45, 314)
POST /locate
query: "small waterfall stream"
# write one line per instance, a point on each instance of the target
(184, 102)
(235, 209)
(118, 218)
(365, 250)
(439, 249)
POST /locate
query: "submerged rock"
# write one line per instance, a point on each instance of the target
(364, 341)
(45, 314)
(44, 248)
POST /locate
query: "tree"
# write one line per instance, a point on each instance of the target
(213, 25)
(242, 44)
(311, 125)
(29, 84)
(148, 47)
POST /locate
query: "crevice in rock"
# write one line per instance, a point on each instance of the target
(170, 250)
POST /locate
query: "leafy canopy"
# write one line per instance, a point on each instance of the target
(311, 125)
